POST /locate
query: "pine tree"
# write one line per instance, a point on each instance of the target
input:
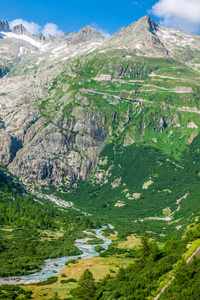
(144, 247)
(120, 275)
(182, 273)
(86, 287)
(2, 247)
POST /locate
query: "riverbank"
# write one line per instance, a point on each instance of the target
(53, 267)
(18, 281)
(99, 267)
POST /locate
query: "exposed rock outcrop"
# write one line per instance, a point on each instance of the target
(4, 26)
(85, 34)
(53, 153)
(20, 29)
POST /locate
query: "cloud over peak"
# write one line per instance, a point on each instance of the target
(182, 14)
(34, 28)
(103, 32)
(52, 29)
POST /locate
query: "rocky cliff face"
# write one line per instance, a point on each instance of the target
(148, 38)
(142, 36)
(4, 26)
(65, 150)
(36, 147)
(20, 29)
(47, 149)
(85, 34)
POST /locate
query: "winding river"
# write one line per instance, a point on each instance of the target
(53, 267)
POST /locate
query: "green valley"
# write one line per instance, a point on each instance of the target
(100, 132)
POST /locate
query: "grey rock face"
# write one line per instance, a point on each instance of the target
(4, 71)
(51, 153)
(85, 34)
(20, 29)
(13, 129)
(147, 22)
(8, 148)
(37, 150)
(4, 26)
(159, 124)
(38, 37)
(128, 71)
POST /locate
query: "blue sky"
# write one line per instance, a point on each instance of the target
(106, 15)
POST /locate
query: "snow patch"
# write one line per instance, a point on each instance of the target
(58, 48)
(40, 59)
(65, 58)
(175, 36)
(138, 46)
(22, 51)
(28, 39)
(22, 37)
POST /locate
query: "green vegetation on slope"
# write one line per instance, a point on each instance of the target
(132, 167)
(11, 292)
(33, 230)
(151, 270)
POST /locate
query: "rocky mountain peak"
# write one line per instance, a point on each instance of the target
(146, 23)
(87, 33)
(38, 37)
(4, 26)
(120, 31)
(153, 26)
(20, 29)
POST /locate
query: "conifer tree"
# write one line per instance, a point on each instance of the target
(181, 272)
(144, 247)
(86, 287)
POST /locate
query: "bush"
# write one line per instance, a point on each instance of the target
(99, 248)
(50, 280)
(71, 261)
(68, 280)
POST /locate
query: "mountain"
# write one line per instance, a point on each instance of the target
(142, 36)
(150, 39)
(125, 148)
(20, 29)
(17, 45)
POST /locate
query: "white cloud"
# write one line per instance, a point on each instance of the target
(34, 28)
(135, 3)
(103, 32)
(51, 29)
(182, 14)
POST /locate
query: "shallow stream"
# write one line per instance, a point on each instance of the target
(53, 267)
